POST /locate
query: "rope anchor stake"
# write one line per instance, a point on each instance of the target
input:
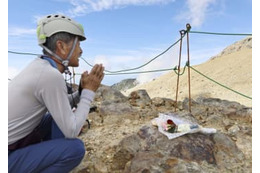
(177, 68)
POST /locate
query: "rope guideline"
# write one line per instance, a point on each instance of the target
(219, 83)
(175, 69)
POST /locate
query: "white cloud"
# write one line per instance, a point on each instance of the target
(197, 11)
(137, 58)
(117, 62)
(101, 59)
(165, 61)
(82, 7)
(18, 31)
(120, 60)
(79, 8)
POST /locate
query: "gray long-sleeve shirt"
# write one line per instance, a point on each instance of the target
(40, 88)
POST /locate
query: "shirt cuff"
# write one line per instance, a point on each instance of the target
(88, 94)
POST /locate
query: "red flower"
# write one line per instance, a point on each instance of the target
(170, 122)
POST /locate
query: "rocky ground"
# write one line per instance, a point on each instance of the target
(122, 138)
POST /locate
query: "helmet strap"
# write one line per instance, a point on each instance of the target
(51, 53)
(72, 50)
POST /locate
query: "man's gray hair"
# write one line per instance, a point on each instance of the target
(51, 41)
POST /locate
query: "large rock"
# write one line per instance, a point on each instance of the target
(112, 108)
(203, 108)
(112, 102)
(227, 155)
(106, 93)
(125, 141)
(151, 151)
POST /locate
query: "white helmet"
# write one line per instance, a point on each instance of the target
(52, 24)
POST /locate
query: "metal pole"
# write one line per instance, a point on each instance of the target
(182, 32)
(188, 63)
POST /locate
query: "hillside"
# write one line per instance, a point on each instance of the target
(232, 67)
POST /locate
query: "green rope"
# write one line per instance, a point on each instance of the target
(22, 53)
(109, 72)
(136, 68)
(174, 69)
(218, 33)
(176, 72)
(87, 62)
(112, 73)
(136, 72)
(220, 83)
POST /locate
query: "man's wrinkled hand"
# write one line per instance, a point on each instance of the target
(93, 79)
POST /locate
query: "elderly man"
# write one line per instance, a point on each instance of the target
(42, 128)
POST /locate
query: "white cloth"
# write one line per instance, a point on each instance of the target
(40, 88)
(159, 121)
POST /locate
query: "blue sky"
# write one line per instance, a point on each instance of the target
(124, 34)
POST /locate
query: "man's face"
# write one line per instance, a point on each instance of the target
(74, 60)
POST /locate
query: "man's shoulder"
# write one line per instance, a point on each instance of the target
(48, 74)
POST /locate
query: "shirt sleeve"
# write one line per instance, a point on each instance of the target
(53, 94)
(74, 98)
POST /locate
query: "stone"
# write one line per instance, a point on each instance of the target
(140, 98)
(125, 152)
(157, 101)
(106, 93)
(233, 130)
(111, 108)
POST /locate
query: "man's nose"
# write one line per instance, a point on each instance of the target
(81, 51)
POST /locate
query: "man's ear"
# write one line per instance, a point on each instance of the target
(61, 47)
